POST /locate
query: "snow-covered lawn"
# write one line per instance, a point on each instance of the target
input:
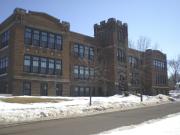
(169, 125)
(69, 107)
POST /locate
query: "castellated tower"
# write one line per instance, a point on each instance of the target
(113, 40)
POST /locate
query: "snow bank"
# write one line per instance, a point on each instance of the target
(169, 125)
(175, 93)
(74, 106)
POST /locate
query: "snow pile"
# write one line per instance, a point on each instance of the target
(72, 107)
(175, 93)
(170, 125)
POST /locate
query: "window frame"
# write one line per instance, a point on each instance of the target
(43, 69)
(44, 39)
(28, 39)
(58, 71)
(58, 45)
(27, 68)
(36, 37)
(50, 69)
(51, 40)
(28, 90)
(35, 69)
(59, 89)
(44, 89)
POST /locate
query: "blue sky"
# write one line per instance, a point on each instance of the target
(158, 20)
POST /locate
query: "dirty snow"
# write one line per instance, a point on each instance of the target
(75, 106)
(169, 125)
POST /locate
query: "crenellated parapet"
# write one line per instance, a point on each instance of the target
(111, 23)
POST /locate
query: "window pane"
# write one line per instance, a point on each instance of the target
(44, 89)
(28, 36)
(51, 41)
(87, 91)
(86, 72)
(59, 89)
(36, 37)
(91, 54)
(51, 66)
(35, 64)
(92, 72)
(81, 51)
(26, 88)
(58, 42)
(58, 67)
(76, 72)
(43, 65)
(81, 91)
(81, 72)
(27, 63)
(44, 39)
(76, 51)
(76, 91)
(86, 51)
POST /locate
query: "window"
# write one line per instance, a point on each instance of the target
(35, 64)
(44, 89)
(159, 64)
(58, 42)
(41, 65)
(43, 68)
(92, 72)
(86, 72)
(87, 91)
(3, 86)
(27, 63)
(86, 52)
(76, 91)
(81, 72)
(133, 62)
(81, 51)
(44, 39)
(81, 91)
(51, 41)
(58, 67)
(4, 39)
(51, 66)
(121, 35)
(59, 89)
(28, 36)
(75, 49)
(26, 88)
(91, 54)
(121, 55)
(3, 65)
(76, 72)
(36, 36)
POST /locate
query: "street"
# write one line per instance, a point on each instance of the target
(92, 124)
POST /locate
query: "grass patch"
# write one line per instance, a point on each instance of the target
(23, 100)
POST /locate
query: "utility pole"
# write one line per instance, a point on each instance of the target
(141, 95)
(90, 97)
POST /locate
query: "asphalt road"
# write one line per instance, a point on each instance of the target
(92, 124)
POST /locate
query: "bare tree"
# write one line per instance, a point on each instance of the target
(156, 46)
(131, 43)
(143, 43)
(174, 68)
